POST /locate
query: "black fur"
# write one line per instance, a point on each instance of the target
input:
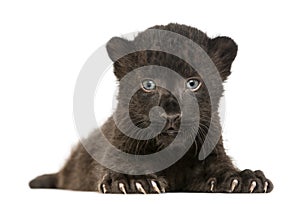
(188, 174)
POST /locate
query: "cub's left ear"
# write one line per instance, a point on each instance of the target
(222, 51)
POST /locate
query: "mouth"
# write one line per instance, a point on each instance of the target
(170, 131)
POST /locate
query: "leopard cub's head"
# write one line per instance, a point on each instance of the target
(166, 88)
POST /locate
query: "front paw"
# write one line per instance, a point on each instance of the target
(120, 183)
(246, 181)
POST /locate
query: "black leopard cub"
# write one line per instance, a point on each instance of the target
(214, 173)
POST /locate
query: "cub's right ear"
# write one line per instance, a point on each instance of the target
(222, 51)
(118, 47)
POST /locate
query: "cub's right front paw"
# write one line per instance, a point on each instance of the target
(120, 183)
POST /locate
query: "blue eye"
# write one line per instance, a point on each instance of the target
(148, 85)
(193, 84)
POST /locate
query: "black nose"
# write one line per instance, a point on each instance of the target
(171, 118)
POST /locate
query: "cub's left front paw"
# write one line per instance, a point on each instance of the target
(246, 181)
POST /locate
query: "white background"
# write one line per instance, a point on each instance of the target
(43, 46)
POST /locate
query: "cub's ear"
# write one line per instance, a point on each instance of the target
(118, 47)
(222, 51)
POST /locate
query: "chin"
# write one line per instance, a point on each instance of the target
(164, 140)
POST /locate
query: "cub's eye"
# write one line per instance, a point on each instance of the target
(193, 84)
(148, 85)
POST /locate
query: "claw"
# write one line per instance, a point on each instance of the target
(234, 183)
(212, 186)
(104, 190)
(140, 188)
(122, 188)
(99, 189)
(252, 186)
(266, 187)
(155, 187)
